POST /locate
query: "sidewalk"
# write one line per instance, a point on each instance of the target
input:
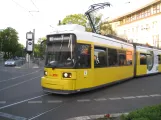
(115, 116)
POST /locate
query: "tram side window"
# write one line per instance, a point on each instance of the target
(159, 59)
(129, 57)
(100, 57)
(112, 57)
(142, 59)
(84, 56)
(122, 57)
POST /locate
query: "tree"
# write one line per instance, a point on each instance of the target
(106, 28)
(96, 19)
(75, 19)
(39, 49)
(79, 19)
(20, 50)
(101, 27)
(9, 41)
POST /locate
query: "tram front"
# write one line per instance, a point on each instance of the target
(59, 73)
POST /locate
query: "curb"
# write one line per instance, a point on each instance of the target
(90, 117)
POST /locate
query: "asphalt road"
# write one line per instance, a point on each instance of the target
(21, 97)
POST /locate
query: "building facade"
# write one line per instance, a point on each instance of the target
(142, 25)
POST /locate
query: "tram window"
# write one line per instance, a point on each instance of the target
(84, 56)
(122, 57)
(129, 57)
(159, 59)
(112, 57)
(142, 59)
(100, 57)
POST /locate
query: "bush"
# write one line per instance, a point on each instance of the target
(147, 113)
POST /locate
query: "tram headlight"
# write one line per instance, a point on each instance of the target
(67, 75)
(45, 73)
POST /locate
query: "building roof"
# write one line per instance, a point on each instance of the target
(136, 10)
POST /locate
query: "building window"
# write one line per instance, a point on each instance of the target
(149, 12)
(138, 16)
(112, 57)
(146, 13)
(124, 32)
(154, 24)
(100, 57)
(156, 8)
(156, 40)
(137, 29)
(142, 14)
(132, 29)
(142, 59)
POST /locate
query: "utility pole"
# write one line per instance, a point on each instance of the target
(33, 41)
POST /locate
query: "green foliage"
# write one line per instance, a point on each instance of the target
(39, 49)
(9, 42)
(80, 19)
(106, 28)
(75, 19)
(147, 113)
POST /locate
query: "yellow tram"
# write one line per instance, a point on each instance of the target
(77, 60)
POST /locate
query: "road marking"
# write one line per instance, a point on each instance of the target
(17, 67)
(115, 98)
(18, 76)
(13, 117)
(34, 101)
(46, 112)
(55, 101)
(82, 118)
(155, 95)
(129, 97)
(100, 99)
(142, 96)
(2, 102)
(18, 84)
(83, 100)
(23, 101)
(35, 67)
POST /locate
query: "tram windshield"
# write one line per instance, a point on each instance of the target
(60, 53)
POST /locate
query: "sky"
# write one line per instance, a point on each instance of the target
(26, 15)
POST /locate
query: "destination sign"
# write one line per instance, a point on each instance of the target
(56, 38)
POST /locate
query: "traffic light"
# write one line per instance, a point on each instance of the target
(29, 42)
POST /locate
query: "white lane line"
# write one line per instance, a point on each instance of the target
(13, 117)
(17, 67)
(35, 67)
(18, 83)
(55, 101)
(23, 101)
(142, 96)
(155, 95)
(118, 98)
(129, 97)
(2, 102)
(34, 102)
(18, 76)
(83, 100)
(100, 99)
